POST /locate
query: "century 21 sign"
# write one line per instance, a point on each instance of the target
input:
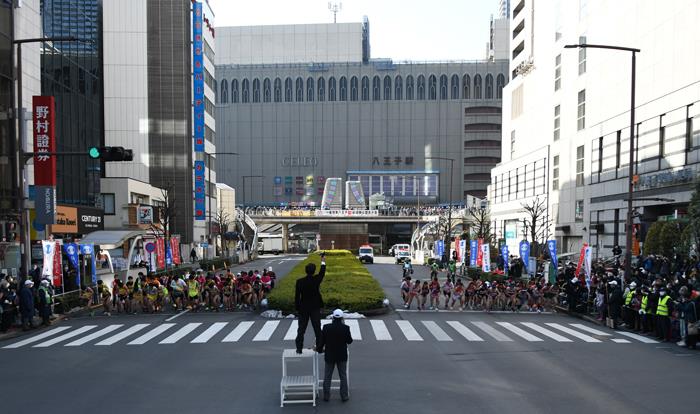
(299, 161)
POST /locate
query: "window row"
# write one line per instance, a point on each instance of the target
(356, 89)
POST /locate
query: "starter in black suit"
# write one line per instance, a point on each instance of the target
(308, 302)
(334, 342)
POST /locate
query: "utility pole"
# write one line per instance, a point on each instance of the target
(335, 8)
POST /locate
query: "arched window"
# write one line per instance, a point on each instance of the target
(321, 89)
(344, 88)
(409, 88)
(387, 88)
(477, 86)
(454, 87)
(432, 87)
(420, 88)
(256, 90)
(245, 91)
(353, 89)
(288, 90)
(466, 83)
(310, 89)
(365, 88)
(216, 92)
(331, 89)
(300, 90)
(500, 83)
(224, 91)
(234, 91)
(398, 86)
(443, 86)
(376, 89)
(489, 87)
(267, 90)
(278, 90)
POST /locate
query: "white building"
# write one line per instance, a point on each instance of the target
(573, 104)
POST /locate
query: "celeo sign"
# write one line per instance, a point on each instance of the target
(43, 108)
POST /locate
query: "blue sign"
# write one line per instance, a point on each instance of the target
(525, 252)
(72, 252)
(198, 76)
(473, 252)
(89, 250)
(168, 254)
(552, 245)
(439, 248)
(200, 204)
(278, 180)
(505, 255)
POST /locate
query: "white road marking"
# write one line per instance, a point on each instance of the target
(492, 332)
(380, 330)
(292, 331)
(238, 332)
(408, 331)
(467, 333)
(639, 338)
(324, 322)
(436, 331)
(205, 336)
(546, 332)
(180, 333)
(63, 337)
(123, 334)
(151, 334)
(589, 329)
(354, 329)
(266, 332)
(521, 333)
(620, 341)
(37, 338)
(177, 316)
(102, 332)
(574, 333)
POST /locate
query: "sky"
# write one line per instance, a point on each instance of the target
(399, 29)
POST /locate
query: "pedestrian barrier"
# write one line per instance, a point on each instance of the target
(299, 389)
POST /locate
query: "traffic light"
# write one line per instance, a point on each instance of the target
(108, 154)
(11, 231)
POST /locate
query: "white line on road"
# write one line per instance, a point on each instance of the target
(63, 337)
(380, 330)
(546, 332)
(180, 333)
(589, 329)
(37, 338)
(205, 336)
(492, 332)
(436, 331)
(620, 341)
(102, 332)
(354, 329)
(521, 333)
(467, 333)
(123, 334)
(574, 333)
(640, 338)
(292, 331)
(266, 332)
(408, 331)
(176, 316)
(238, 332)
(151, 334)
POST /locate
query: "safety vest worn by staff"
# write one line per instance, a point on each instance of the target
(662, 308)
(629, 297)
(44, 291)
(645, 300)
(192, 288)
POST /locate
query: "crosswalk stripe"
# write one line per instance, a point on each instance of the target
(266, 332)
(354, 329)
(102, 332)
(238, 332)
(589, 329)
(292, 331)
(380, 330)
(180, 333)
(546, 332)
(467, 333)
(205, 336)
(492, 332)
(639, 338)
(37, 338)
(408, 331)
(520, 332)
(620, 341)
(151, 334)
(123, 334)
(63, 337)
(436, 331)
(574, 333)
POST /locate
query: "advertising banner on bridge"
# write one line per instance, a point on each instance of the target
(485, 258)
(473, 248)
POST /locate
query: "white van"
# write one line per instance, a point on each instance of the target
(366, 254)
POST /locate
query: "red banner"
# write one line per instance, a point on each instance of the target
(581, 258)
(175, 249)
(479, 254)
(160, 253)
(44, 140)
(57, 267)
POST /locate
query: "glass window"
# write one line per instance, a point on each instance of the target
(477, 86)
(245, 91)
(288, 90)
(376, 89)
(278, 90)
(557, 123)
(578, 210)
(353, 89)
(410, 185)
(409, 88)
(331, 89)
(443, 86)
(489, 86)
(581, 113)
(387, 88)
(310, 89)
(512, 144)
(555, 172)
(581, 56)
(267, 90)
(398, 85)
(256, 90)
(579, 166)
(454, 87)
(466, 81)
(376, 184)
(321, 89)
(224, 91)
(557, 72)
(432, 87)
(234, 91)
(300, 90)
(343, 88)
(420, 88)
(108, 204)
(365, 88)
(500, 84)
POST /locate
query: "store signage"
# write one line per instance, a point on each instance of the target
(299, 161)
(66, 220)
(43, 108)
(144, 215)
(200, 204)
(388, 161)
(198, 76)
(90, 219)
(665, 179)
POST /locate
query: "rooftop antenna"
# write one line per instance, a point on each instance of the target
(335, 8)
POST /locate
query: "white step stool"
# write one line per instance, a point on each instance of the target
(299, 386)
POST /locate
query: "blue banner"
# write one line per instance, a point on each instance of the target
(200, 204)
(72, 252)
(525, 253)
(198, 76)
(168, 255)
(473, 252)
(89, 250)
(439, 248)
(505, 256)
(552, 246)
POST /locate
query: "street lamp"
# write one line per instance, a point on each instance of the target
(630, 184)
(448, 236)
(244, 178)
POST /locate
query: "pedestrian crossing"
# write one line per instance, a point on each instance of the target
(381, 331)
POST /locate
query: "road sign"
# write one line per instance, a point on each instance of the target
(150, 247)
(204, 245)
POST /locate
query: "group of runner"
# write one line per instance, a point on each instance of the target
(197, 291)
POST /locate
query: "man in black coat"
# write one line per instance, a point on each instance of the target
(308, 302)
(335, 339)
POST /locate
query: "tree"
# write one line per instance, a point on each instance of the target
(223, 219)
(694, 218)
(479, 220)
(537, 223)
(164, 215)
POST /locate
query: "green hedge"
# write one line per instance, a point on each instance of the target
(217, 262)
(348, 285)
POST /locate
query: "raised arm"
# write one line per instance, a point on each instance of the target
(322, 272)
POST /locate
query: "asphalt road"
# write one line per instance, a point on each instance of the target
(405, 362)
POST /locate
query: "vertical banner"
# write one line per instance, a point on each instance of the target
(48, 249)
(43, 128)
(72, 253)
(587, 264)
(198, 76)
(200, 204)
(552, 246)
(168, 254)
(525, 253)
(473, 247)
(581, 258)
(485, 258)
(175, 249)
(480, 253)
(89, 250)
(160, 253)
(462, 251)
(57, 266)
(439, 248)
(505, 255)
